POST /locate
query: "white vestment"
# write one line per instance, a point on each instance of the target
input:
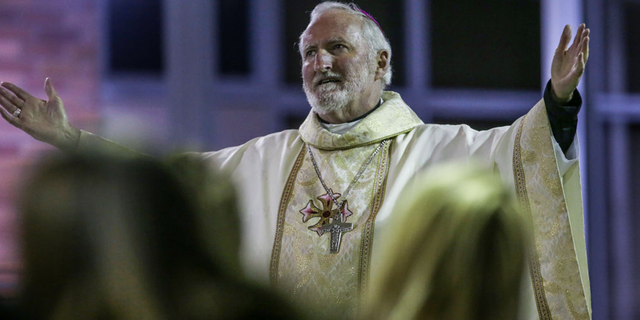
(276, 181)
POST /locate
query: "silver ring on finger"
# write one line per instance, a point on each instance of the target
(17, 112)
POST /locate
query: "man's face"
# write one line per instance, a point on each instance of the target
(336, 66)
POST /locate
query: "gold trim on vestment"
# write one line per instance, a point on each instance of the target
(369, 227)
(282, 211)
(540, 189)
(534, 263)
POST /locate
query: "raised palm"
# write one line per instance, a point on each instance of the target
(568, 64)
(45, 120)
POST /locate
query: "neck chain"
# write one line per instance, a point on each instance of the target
(355, 179)
(333, 220)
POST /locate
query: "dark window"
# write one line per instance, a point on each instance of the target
(135, 36)
(233, 27)
(296, 20)
(634, 184)
(491, 44)
(389, 15)
(293, 120)
(634, 157)
(632, 34)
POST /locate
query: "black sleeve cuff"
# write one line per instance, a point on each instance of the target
(563, 118)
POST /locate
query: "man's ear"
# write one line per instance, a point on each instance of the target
(382, 64)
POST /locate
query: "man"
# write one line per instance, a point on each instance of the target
(312, 198)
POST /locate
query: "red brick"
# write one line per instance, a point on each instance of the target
(40, 38)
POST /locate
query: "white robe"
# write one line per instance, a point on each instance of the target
(276, 179)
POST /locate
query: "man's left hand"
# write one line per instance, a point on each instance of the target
(568, 64)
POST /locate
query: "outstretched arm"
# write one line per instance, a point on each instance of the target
(568, 65)
(561, 99)
(45, 120)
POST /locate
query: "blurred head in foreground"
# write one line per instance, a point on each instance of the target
(112, 238)
(456, 251)
(215, 199)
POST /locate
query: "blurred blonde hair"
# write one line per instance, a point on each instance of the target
(456, 250)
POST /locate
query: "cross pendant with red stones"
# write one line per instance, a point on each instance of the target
(331, 220)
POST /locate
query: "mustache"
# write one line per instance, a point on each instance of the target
(326, 75)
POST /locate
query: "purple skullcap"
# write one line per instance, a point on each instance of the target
(356, 8)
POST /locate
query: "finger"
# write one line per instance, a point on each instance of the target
(17, 91)
(575, 45)
(583, 36)
(9, 101)
(51, 91)
(7, 105)
(10, 118)
(585, 50)
(581, 65)
(564, 38)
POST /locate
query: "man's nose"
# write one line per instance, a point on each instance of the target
(323, 61)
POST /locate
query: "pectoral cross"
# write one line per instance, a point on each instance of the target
(331, 220)
(336, 228)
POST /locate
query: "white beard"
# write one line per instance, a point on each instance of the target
(335, 96)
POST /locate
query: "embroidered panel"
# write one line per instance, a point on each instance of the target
(284, 200)
(521, 192)
(557, 258)
(369, 227)
(302, 264)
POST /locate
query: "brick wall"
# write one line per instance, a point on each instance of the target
(38, 39)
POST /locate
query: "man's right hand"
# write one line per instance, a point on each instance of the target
(44, 120)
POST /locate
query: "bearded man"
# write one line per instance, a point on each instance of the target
(317, 199)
